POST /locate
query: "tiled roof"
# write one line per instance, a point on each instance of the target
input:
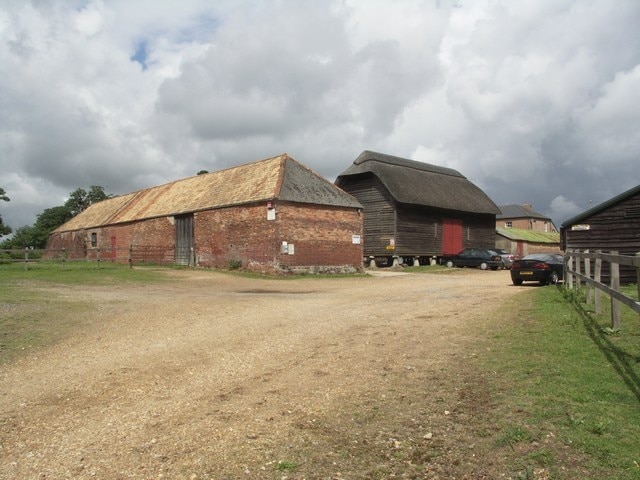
(275, 178)
(518, 211)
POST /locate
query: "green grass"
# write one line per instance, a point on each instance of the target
(567, 390)
(33, 317)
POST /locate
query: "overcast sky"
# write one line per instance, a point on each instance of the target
(533, 101)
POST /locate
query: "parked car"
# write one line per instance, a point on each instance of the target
(507, 257)
(474, 257)
(545, 268)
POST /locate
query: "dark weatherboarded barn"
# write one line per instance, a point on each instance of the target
(416, 211)
(272, 215)
(613, 225)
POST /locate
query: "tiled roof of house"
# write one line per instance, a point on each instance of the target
(518, 211)
(277, 178)
(418, 183)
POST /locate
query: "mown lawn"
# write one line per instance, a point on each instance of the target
(566, 387)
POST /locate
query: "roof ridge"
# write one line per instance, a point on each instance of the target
(370, 155)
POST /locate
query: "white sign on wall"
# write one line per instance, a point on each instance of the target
(355, 239)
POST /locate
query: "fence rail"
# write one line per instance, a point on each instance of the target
(579, 268)
(133, 255)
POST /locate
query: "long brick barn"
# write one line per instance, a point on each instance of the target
(273, 215)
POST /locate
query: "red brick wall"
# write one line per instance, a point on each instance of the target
(240, 233)
(322, 239)
(322, 236)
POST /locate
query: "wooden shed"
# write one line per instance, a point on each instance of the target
(613, 225)
(415, 212)
(274, 215)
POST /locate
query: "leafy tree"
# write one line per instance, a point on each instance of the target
(202, 172)
(4, 229)
(80, 199)
(36, 236)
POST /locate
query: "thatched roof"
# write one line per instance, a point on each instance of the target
(418, 183)
(277, 178)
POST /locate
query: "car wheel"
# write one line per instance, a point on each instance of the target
(483, 266)
(517, 281)
(449, 264)
(494, 268)
(553, 278)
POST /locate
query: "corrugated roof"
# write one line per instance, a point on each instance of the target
(275, 178)
(418, 183)
(529, 235)
(602, 206)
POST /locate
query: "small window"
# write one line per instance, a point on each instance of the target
(94, 239)
(508, 224)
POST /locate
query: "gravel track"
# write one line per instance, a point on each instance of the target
(219, 376)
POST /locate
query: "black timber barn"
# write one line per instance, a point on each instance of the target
(415, 212)
(613, 225)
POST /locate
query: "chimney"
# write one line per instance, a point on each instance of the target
(528, 206)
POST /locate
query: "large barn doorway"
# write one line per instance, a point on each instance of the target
(185, 240)
(451, 236)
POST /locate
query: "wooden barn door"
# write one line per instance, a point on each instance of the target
(184, 240)
(451, 236)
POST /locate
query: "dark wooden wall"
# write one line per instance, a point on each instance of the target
(616, 228)
(378, 212)
(416, 230)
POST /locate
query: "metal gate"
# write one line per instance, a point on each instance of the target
(185, 242)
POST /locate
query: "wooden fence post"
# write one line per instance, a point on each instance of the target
(569, 275)
(98, 258)
(26, 259)
(130, 256)
(597, 276)
(588, 286)
(615, 285)
(64, 257)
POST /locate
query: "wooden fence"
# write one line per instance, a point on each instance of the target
(133, 255)
(579, 268)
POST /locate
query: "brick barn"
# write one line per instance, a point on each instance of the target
(415, 212)
(274, 215)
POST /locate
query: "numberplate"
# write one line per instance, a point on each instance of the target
(526, 272)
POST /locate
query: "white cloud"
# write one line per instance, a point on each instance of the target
(532, 100)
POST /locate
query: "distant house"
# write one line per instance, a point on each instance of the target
(524, 242)
(273, 215)
(613, 225)
(523, 217)
(416, 212)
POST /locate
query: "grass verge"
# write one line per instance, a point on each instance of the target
(567, 388)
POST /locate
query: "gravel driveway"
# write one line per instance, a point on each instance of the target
(220, 376)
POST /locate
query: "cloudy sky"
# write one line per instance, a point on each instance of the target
(534, 101)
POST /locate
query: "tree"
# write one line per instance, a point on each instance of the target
(202, 172)
(80, 199)
(36, 236)
(4, 229)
